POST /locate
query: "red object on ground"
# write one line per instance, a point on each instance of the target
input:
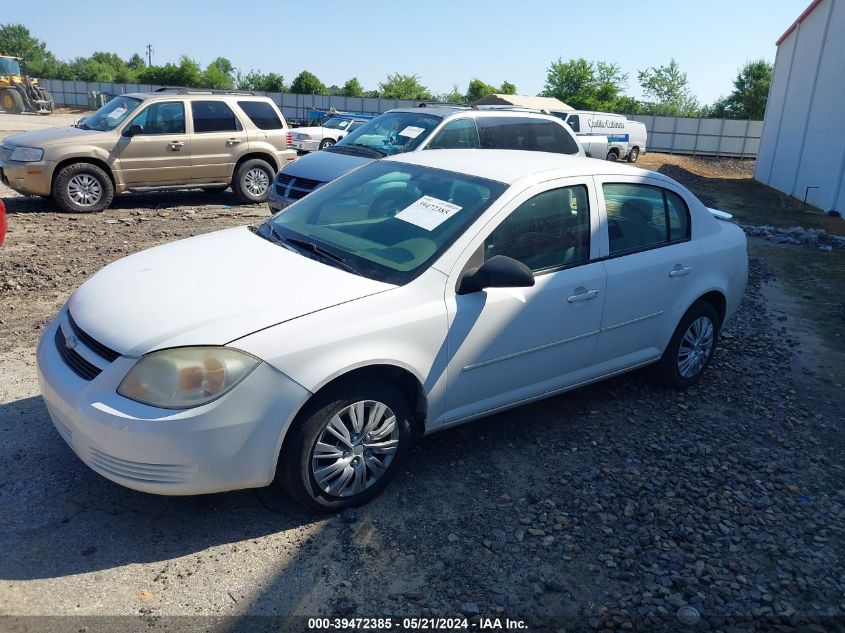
(2, 222)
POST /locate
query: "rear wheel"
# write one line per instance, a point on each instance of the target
(12, 101)
(83, 188)
(252, 181)
(326, 142)
(346, 447)
(612, 156)
(690, 348)
(633, 155)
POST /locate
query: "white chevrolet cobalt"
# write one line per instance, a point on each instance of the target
(410, 295)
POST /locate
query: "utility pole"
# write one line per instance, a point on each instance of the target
(149, 54)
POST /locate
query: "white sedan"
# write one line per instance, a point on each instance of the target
(311, 139)
(411, 295)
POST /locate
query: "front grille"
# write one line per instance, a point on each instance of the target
(284, 180)
(79, 365)
(95, 346)
(296, 194)
(305, 183)
(5, 154)
(293, 187)
(142, 471)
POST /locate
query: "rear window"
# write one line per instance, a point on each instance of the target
(537, 135)
(262, 114)
(214, 116)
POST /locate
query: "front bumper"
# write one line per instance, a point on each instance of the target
(33, 178)
(228, 444)
(275, 200)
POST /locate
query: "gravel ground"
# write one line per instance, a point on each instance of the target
(609, 507)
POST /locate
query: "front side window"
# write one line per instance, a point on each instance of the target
(549, 231)
(262, 114)
(213, 116)
(110, 115)
(532, 134)
(387, 220)
(574, 123)
(162, 118)
(643, 216)
(391, 133)
(460, 134)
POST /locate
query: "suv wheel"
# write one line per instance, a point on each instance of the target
(346, 447)
(83, 188)
(326, 142)
(252, 181)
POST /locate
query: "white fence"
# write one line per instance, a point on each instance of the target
(674, 135)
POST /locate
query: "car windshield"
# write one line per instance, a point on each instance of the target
(10, 66)
(392, 132)
(337, 124)
(110, 115)
(387, 220)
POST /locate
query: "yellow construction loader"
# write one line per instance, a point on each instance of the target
(19, 93)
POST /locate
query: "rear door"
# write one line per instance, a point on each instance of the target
(219, 139)
(269, 127)
(160, 154)
(650, 263)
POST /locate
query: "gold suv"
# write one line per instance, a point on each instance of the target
(169, 139)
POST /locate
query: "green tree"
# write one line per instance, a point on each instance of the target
(750, 93)
(667, 92)
(17, 41)
(507, 88)
(398, 86)
(219, 74)
(588, 86)
(136, 62)
(307, 83)
(454, 96)
(477, 89)
(352, 88)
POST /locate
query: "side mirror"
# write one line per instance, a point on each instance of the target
(133, 130)
(496, 272)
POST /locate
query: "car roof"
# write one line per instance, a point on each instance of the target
(199, 94)
(508, 166)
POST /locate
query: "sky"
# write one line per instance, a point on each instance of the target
(443, 43)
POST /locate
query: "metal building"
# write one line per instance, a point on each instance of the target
(802, 149)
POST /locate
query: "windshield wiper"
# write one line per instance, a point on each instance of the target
(355, 148)
(316, 249)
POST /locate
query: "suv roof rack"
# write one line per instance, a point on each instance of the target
(204, 91)
(442, 104)
(513, 108)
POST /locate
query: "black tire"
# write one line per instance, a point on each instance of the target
(326, 142)
(65, 180)
(243, 184)
(667, 369)
(217, 189)
(295, 470)
(633, 155)
(612, 156)
(12, 101)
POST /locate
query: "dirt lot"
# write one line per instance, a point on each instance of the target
(612, 507)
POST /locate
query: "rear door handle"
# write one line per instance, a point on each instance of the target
(233, 141)
(583, 295)
(680, 270)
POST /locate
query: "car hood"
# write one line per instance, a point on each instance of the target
(207, 290)
(52, 136)
(324, 166)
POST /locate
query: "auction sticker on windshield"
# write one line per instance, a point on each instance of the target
(412, 131)
(428, 213)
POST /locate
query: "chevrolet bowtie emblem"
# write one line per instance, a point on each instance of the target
(71, 342)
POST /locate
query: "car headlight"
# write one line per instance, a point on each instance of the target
(27, 154)
(186, 377)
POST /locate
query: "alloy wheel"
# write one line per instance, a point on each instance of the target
(84, 190)
(256, 181)
(696, 347)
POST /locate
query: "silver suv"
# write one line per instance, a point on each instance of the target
(423, 128)
(170, 139)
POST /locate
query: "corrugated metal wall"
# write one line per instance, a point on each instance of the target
(801, 151)
(678, 135)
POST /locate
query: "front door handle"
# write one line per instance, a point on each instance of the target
(680, 270)
(175, 146)
(582, 294)
(232, 141)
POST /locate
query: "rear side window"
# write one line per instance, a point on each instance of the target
(262, 114)
(537, 135)
(643, 216)
(214, 116)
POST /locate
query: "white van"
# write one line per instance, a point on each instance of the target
(626, 138)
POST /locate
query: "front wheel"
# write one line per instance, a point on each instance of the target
(690, 348)
(12, 101)
(633, 155)
(252, 181)
(346, 447)
(326, 142)
(83, 188)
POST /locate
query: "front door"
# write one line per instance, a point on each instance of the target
(511, 344)
(219, 140)
(160, 152)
